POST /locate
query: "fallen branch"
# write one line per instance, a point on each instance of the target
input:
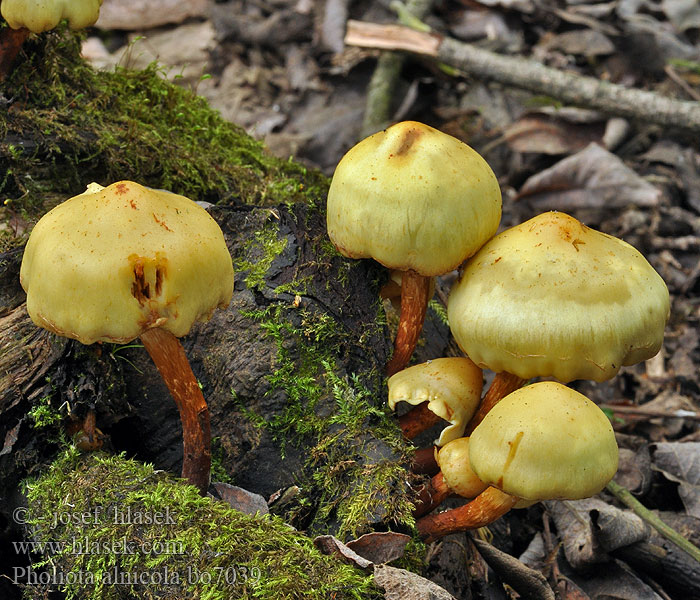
(626, 497)
(382, 86)
(527, 74)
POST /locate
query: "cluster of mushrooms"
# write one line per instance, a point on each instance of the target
(549, 299)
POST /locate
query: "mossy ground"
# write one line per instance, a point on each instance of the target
(67, 125)
(119, 529)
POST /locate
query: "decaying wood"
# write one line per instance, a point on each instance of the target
(527, 74)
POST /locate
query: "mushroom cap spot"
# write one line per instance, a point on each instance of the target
(545, 441)
(451, 386)
(412, 197)
(42, 15)
(112, 262)
(453, 459)
(554, 298)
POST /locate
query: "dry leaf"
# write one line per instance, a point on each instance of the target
(590, 528)
(331, 545)
(399, 584)
(680, 462)
(145, 14)
(547, 134)
(591, 178)
(240, 499)
(380, 546)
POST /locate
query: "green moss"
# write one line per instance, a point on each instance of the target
(356, 470)
(104, 519)
(68, 125)
(258, 254)
(43, 414)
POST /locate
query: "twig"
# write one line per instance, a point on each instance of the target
(647, 412)
(575, 89)
(386, 75)
(626, 497)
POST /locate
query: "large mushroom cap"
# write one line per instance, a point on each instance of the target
(42, 15)
(545, 441)
(552, 297)
(112, 262)
(412, 197)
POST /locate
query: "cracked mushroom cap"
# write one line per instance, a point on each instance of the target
(42, 15)
(552, 297)
(451, 386)
(412, 197)
(112, 262)
(545, 441)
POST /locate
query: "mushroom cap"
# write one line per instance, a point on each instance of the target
(42, 15)
(112, 262)
(412, 197)
(552, 297)
(451, 386)
(545, 441)
(453, 459)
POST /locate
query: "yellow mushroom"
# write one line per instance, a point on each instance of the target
(125, 261)
(42, 15)
(544, 441)
(552, 297)
(450, 388)
(418, 201)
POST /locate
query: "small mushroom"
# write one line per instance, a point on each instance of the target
(125, 261)
(456, 476)
(418, 201)
(554, 298)
(544, 441)
(34, 16)
(450, 390)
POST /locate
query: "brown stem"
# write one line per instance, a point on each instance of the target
(432, 495)
(424, 462)
(11, 41)
(417, 420)
(415, 292)
(503, 384)
(488, 506)
(169, 357)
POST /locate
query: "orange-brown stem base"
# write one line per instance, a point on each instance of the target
(424, 462)
(432, 495)
(503, 384)
(170, 359)
(417, 420)
(488, 506)
(415, 294)
(11, 41)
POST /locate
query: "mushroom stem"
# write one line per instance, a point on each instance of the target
(503, 384)
(417, 420)
(11, 41)
(432, 495)
(488, 506)
(415, 292)
(170, 359)
(424, 462)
